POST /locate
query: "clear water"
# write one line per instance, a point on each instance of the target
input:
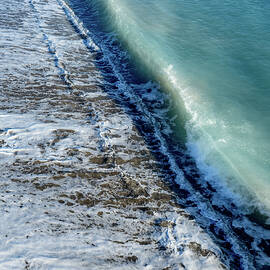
(214, 58)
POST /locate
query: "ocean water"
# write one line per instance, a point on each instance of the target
(213, 58)
(193, 78)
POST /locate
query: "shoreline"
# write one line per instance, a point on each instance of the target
(82, 186)
(79, 186)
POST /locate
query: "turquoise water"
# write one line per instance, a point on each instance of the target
(214, 58)
(189, 90)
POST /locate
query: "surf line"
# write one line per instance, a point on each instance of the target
(63, 74)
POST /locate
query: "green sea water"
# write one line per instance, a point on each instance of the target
(214, 58)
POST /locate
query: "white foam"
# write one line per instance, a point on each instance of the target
(183, 234)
